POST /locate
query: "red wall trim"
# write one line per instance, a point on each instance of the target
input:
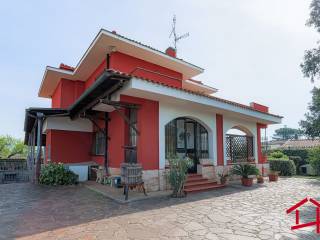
(259, 107)
(220, 152)
(261, 158)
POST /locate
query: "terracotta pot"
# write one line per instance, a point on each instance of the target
(247, 181)
(260, 180)
(223, 180)
(273, 177)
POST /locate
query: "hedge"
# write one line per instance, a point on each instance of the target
(298, 161)
(303, 153)
(283, 166)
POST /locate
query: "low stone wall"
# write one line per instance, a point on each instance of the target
(156, 180)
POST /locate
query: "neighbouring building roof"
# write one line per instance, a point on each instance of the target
(301, 143)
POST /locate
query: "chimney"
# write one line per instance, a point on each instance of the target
(171, 52)
(114, 32)
(66, 67)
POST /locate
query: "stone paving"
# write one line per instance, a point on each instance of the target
(75, 212)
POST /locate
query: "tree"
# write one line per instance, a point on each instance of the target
(311, 64)
(10, 147)
(286, 133)
(311, 124)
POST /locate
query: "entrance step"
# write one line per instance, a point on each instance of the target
(196, 183)
(197, 189)
(203, 182)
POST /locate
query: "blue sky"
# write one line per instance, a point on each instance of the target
(250, 49)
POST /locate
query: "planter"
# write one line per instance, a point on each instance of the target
(223, 180)
(273, 177)
(247, 181)
(260, 180)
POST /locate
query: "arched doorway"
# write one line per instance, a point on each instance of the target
(239, 145)
(186, 137)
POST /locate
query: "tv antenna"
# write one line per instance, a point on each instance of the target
(173, 33)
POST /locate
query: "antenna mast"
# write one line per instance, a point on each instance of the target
(173, 33)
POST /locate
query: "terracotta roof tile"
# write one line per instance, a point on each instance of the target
(194, 92)
(301, 143)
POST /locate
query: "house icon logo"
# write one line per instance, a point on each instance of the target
(303, 225)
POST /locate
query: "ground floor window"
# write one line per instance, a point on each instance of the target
(99, 143)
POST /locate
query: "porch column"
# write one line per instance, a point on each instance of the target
(261, 157)
(219, 130)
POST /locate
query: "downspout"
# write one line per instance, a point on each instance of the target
(106, 122)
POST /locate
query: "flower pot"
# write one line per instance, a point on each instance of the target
(260, 180)
(273, 177)
(247, 181)
(223, 180)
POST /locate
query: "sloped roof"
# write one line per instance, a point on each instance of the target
(301, 143)
(195, 93)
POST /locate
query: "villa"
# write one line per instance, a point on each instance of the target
(128, 102)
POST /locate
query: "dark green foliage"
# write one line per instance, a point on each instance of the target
(286, 133)
(178, 174)
(56, 174)
(277, 155)
(303, 153)
(285, 167)
(245, 170)
(314, 159)
(311, 64)
(298, 161)
(311, 124)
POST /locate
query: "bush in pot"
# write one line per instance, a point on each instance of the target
(177, 175)
(223, 177)
(245, 171)
(260, 179)
(284, 167)
(57, 174)
(273, 176)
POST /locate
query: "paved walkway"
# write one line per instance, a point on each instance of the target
(39, 212)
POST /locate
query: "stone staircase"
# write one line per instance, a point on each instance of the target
(196, 183)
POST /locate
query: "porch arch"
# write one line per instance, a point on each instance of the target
(239, 145)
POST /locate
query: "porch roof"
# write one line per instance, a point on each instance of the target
(31, 116)
(218, 103)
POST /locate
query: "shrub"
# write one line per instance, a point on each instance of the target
(285, 167)
(303, 153)
(177, 175)
(314, 159)
(277, 155)
(298, 161)
(56, 174)
(245, 170)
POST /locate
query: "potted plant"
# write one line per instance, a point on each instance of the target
(260, 179)
(273, 176)
(177, 174)
(223, 177)
(246, 171)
